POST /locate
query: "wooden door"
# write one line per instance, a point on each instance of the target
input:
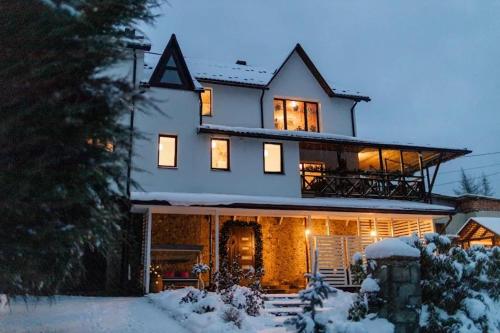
(242, 246)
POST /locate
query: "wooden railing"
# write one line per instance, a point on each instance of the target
(362, 185)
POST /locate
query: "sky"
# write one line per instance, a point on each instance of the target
(432, 68)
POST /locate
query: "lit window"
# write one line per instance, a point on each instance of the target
(220, 154)
(167, 151)
(273, 159)
(295, 115)
(206, 102)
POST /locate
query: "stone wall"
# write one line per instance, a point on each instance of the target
(399, 281)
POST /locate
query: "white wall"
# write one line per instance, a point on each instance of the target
(295, 81)
(459, 219)
(193, 172)
(234, 106)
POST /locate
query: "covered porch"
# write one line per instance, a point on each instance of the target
(285, 243)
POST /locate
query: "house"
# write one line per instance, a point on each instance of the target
(262, 167)
(470, 208)
(484, 231)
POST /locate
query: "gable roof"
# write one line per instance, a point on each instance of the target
(241, 75)
(491, 224)
(172, 52)
(329, 90)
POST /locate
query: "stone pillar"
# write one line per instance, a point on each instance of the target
(399, 281)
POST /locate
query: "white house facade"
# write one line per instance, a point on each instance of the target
(240, 164)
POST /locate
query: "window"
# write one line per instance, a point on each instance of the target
(206, 102)
(167, 151)
(273, 158)
(295, 115)
(171, 73)
(219, 159)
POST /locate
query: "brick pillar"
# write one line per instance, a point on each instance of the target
(399, 281)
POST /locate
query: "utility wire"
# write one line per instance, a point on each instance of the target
(458, 181)
(483, 154)
(472, 168)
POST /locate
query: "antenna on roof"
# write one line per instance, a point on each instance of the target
(241, 62)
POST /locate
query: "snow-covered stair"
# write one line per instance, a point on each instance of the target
(282, 305)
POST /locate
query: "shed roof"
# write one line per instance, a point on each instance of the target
(288, 203)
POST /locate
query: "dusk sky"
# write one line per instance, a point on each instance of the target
(432, 68)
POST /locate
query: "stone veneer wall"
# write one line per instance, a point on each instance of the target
(399, 281)
(284, 247)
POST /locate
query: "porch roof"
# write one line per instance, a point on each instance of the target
(288, 203)
(475, 227)
(432, 154)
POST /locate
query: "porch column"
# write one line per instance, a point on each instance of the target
(216, 240)
(418, 227)
(147, 264)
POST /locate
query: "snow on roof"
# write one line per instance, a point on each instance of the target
(491, 223)
(335, 204)
(390, 247)
(244, 74)
(239, 74)
(303, 135)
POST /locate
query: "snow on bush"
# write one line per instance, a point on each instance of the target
(203, 311)
(369, 285)
(460, 288)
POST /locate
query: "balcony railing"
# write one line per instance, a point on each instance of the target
(362, 185)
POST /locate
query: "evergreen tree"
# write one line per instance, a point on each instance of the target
(64, 151)
(486, 186)
(467, 185)
(317, 290)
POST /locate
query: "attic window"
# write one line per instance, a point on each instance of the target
(171, 73)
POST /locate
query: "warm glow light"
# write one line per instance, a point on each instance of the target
(307, 232)
(293, 104)
(266, 153)
(373, 233)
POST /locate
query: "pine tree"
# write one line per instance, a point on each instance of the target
(63, 189)
(486, 186)
(317, 290)
(467, 185)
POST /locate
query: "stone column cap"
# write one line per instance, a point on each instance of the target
(391, 248)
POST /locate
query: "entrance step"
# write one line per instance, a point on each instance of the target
(283, 305)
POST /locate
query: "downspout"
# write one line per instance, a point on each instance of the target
(131, 125)
(450, 217)
(262, 108)
(353, 120)
(201, 108)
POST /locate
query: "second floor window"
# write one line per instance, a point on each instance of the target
(295, 115)
(167, 151)
(273, 158)
(219, 157)
(206, 102)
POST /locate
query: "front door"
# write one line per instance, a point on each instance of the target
(242, 246)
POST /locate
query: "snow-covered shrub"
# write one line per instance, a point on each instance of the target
(232, 315)
(317, 290)
(460, 288)
(244, 298)
(201, 303)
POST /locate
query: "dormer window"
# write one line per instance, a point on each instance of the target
(171, 73)
(295, 115)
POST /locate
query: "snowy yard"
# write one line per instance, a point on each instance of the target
(72, 314)
(158, 313)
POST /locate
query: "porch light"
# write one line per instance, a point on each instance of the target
(373, 233)
(307, 232)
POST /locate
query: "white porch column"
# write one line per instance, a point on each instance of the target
(418, 226)
(147, 264)
(216, 240)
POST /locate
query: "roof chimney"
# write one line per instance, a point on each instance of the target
(241, 62)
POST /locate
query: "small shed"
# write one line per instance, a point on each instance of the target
(480, 231)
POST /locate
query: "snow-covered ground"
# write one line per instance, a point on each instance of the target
(157, 313)
(72, 314)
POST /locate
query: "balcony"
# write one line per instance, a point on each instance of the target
(325, 183)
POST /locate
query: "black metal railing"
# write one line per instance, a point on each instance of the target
(362, 185)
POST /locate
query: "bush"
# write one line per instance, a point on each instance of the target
(232, 315)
